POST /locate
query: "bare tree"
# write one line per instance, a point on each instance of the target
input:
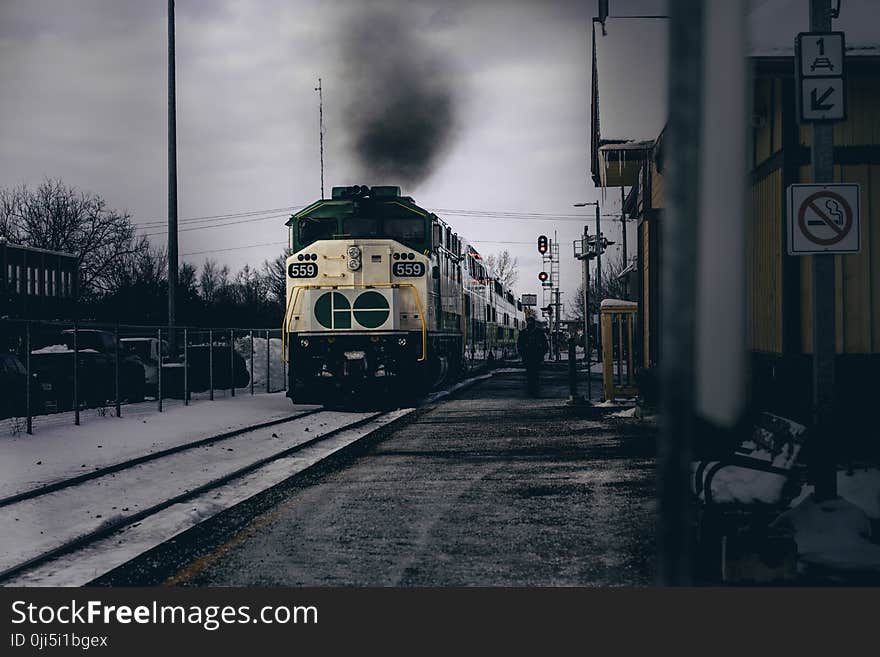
(504, 267)
(58, 217)
(275, 275)
(212, 280)
(611, 287)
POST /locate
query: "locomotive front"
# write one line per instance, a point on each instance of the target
(357, 292)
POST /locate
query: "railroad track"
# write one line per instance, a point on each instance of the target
(47, 526)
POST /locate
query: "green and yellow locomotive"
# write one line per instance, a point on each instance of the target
(381, 291)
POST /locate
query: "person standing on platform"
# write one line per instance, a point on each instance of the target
(532, 345)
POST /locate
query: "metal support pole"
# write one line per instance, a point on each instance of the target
(75, 374)
(232, 362)
(823, 297)
(252, 361)
(159, 386)
(116, 371)
(27, 360)
(268, 364)
(172, 181)
(588, 347)
(598, 283)
(572, 370)
(623, 227)
(185, 368)
(558, 331)
(678, 289)
(211, 364)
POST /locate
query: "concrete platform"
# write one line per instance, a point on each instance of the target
(490, 488)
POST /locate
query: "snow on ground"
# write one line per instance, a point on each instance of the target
(615, 403)
(63, 450)
(632, 412)
(833, 534)
(35, 526)
(95, 559)
(862, 488)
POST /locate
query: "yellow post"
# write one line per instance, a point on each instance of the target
(623, 311)
(607, 355)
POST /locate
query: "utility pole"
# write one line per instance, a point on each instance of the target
(623, 227)
(172, 181)
(320, 91)
(822, 160)
(583, 254)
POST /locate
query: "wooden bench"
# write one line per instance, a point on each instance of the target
(739, 493)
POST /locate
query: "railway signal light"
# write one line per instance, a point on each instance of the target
(542, 244)
(542, 276)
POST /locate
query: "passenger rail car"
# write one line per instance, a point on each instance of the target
(382, 290)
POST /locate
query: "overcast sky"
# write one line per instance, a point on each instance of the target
(84, 100)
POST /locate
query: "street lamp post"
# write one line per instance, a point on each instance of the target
(598, 256)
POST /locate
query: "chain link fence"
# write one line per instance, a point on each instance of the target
(52, 372)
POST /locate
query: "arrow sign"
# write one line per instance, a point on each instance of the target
(816, 103)
(822, 99)
(819, 72)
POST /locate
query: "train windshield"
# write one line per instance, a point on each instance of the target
(312, 229)
(362, 227)
(405, 229)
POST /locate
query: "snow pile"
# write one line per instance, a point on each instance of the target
(276, 366)
(862, 488)
(833, 533)
(619, 304)
(53, 349)
(61, 349)
(613, 404)
(779, 446)
(632, 412)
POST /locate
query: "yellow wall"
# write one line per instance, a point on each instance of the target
(857, 285)
(764, 265)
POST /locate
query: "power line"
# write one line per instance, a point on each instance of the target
(234, 248)
(252, 216)
(232, 215)
(522, 216)
(228, 223)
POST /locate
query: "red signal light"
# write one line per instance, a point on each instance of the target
(542, 277)
(542, 244)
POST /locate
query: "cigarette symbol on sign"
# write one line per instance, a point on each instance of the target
(833, 208)
(831, 212)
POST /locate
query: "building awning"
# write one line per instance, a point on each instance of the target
(620, 163)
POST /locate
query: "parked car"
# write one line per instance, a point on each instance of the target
(226, 373)
(54, 367)
(147, 351)
(132, 374)
(14, 383)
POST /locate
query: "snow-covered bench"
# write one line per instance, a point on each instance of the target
(739, 494)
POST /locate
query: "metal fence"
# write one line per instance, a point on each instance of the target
(53, 368)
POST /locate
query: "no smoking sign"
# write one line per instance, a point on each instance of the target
(823, 219)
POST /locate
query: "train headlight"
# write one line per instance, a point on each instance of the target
(354, 253)
(401, 342)
(354, 264)
(304, 343)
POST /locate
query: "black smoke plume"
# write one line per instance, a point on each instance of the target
(400, 108)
